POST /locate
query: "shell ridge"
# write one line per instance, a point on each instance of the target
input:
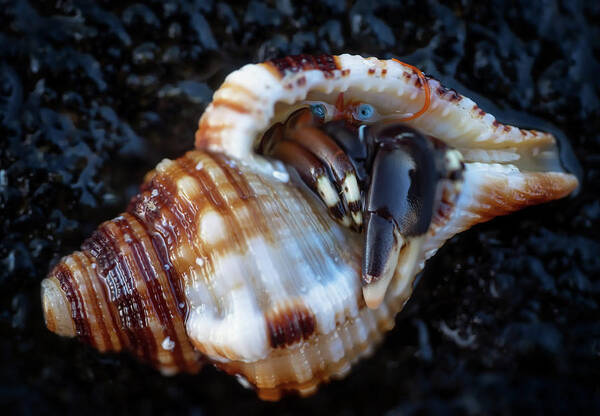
(132, 307)
(101, 297)
(105, 301)
(155, 280)
(63, 275)
(93, 301)
(302, 255)
(99, 247)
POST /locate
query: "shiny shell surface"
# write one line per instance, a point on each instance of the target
(221, 257)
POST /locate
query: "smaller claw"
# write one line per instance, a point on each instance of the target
(312, 172)
(303, 131)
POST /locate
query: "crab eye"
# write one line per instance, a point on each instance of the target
(319, 110)
(364, 112)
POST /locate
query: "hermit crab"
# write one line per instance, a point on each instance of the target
(281, 249)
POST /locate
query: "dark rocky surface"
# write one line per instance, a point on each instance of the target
(505, 319)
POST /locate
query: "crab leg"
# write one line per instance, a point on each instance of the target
(309, 168)
(302, 130)
(398, 207)
(350, 139)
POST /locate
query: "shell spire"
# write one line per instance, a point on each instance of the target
(118, 294)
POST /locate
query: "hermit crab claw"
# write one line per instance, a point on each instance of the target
(399, 206)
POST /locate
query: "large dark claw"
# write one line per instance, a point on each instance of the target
(384, 246)
(398, 207)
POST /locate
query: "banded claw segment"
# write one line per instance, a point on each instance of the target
(331, 173)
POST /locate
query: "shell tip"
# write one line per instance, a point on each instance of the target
(57, 312)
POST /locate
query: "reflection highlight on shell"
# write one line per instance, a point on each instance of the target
(282, 248)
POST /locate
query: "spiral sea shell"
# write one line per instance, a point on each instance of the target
(221, 257)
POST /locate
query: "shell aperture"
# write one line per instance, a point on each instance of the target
(399, 174)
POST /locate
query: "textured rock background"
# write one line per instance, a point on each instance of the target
(93, 94)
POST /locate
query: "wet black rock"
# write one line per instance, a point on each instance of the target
(504, 320)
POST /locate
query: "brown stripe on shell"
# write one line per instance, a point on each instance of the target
(229, 194)
(234, 176)
(207, 132)
(174, 224)
(239, 90)
(478, 111)
(301, 370)
(159, 221)
(120, 297)
(445, 207)
(245, 194)
(498, 198)
(212, 194)
(169, 224)
(235, 105)
(136, 298)
(100, 291)
(448, 94)
(325, 63)
(168, 296)
(149, 208)
(78, 315)
(80, 290)
(90, 298)
(289, 324)
(226, 191)
(125, 301)
(50, 318)
(149, 270)
(162, 253)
